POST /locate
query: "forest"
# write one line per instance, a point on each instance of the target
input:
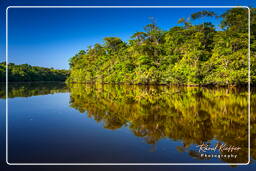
(27, 73)
(188, 54)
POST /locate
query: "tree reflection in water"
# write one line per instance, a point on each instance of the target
(28, 89)
(191, 115)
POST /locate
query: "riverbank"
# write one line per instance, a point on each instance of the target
(177, 85)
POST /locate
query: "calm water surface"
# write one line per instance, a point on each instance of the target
(53, 123)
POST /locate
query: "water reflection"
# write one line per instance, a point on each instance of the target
(32, 89)
(190, 115)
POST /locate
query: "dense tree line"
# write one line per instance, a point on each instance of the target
(189, 54)
(25, 73)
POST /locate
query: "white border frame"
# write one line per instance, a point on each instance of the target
(249, 81)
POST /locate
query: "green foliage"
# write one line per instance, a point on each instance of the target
(26, 73)
(188, 55)
(236, 19)
(202, 14)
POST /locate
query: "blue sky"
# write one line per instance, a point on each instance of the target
(49, 37)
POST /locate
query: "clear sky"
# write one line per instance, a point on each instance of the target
(49, 37)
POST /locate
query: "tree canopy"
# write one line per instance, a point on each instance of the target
(26, 73)
(192, 54)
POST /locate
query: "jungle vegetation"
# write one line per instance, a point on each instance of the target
(190, 54)
(27, 73)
